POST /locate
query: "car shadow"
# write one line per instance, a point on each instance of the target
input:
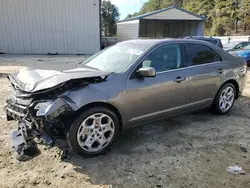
(136, 148)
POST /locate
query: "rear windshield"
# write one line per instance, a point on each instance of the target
(211, 41)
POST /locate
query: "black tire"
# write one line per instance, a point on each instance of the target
(216, 104)
(72, 133)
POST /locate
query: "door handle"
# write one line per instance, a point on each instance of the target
(220, 71)
(179, 79)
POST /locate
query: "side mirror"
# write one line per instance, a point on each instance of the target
(146, 72)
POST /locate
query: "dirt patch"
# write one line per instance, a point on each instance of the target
(191, 150)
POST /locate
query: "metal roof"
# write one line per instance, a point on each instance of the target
(162, 10)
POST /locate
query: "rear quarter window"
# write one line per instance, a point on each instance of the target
(212, 41)
(215, 42)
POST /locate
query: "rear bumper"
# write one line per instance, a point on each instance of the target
(242, 83)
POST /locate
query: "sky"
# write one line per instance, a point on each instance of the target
(128, 6)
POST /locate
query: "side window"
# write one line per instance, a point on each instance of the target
(246, 45)
(164, 58)
(239, 46)
(200, 54)
(217, 57)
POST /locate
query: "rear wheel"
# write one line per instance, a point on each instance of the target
(93, 132)
(224, 99)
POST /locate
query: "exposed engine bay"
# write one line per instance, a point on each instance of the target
(39, 105)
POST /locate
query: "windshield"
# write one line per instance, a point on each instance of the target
(230, 45)
(118, 57)
(247, 47)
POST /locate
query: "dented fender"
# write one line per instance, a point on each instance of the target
(80, 97)
(56, 109)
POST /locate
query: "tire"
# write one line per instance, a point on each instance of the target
(217, 106)
(81, 124)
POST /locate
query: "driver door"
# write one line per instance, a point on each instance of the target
(150, 98)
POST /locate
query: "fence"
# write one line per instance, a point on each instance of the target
(227, 39)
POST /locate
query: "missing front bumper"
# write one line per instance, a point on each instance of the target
(23, 141)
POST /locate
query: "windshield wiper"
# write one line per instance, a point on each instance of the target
(86, 66)
(80, 62)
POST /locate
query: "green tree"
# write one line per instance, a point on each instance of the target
(110, 15)
(244, 14)
(178, 3)
(129, 16)
(132, 15)
(202, 7)
(153, 5)
(226, 18)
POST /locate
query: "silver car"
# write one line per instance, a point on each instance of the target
(128, 84)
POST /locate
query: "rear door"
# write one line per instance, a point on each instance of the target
(205, 69)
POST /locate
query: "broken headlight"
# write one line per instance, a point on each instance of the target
(52, 109)
(41, 108)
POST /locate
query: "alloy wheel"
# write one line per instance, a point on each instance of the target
(95, 132)
(226, 99)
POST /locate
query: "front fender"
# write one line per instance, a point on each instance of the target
(109, 92)
(56, 109)
(78, 98)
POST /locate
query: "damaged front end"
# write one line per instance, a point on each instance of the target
(41, 115)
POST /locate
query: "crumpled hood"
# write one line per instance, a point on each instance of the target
(34, 80)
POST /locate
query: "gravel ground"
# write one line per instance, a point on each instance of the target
(191, 150)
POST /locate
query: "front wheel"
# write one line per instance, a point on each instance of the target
(224, 99)
(93, 132)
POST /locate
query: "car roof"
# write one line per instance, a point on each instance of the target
(201, 37)
(168, 40)
(145, 41)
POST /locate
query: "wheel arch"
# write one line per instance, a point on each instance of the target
(105, 105)
(236, 85)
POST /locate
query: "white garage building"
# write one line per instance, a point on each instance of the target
(50, 26)
(169, 22)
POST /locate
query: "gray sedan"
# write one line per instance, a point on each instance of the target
(128, 84)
